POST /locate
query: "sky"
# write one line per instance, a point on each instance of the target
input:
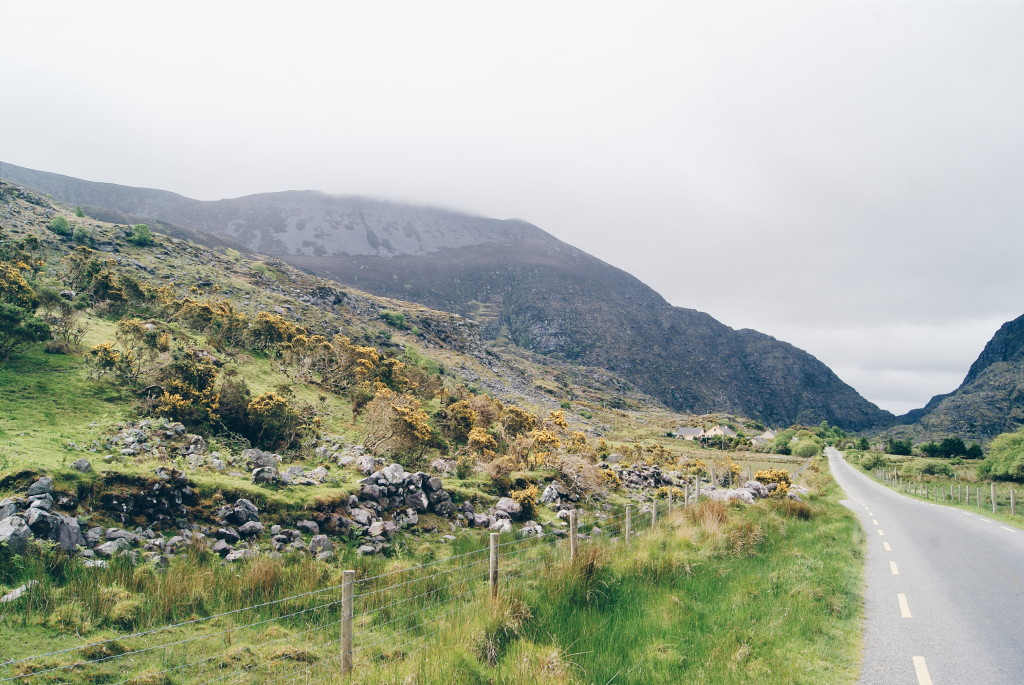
(845, 176)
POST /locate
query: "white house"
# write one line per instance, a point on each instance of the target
(720, 430)
(689, 433)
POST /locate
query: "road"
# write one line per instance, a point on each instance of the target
(944, 595)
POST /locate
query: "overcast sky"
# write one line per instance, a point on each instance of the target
(848, 177)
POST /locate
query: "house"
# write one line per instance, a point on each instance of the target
(689, 433)
(760, 441)
(720, 430)
(768, 435)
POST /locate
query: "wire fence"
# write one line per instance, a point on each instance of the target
(336, 630)
(998, 498)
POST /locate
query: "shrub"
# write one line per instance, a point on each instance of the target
(1005, 459)
(79, 212)
(273, 422)
(806, 449)
(19, 328)
(875, 461)
(395, 320)
(527, 498)
(82, 235)
(141, 235)
(938, 468)
(60, 226)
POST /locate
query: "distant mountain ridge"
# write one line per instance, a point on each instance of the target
(990, 400)
(522, 284)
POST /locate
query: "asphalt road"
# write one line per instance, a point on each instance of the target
(944, 595)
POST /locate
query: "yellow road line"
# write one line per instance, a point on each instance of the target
(892, 567)
(880, 532)
(886, 546)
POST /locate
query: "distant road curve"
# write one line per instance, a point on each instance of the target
(944, 594)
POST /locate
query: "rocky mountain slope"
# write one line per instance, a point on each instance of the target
(989, 401)
(520, 283)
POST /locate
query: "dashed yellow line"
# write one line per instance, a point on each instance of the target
(921, 668)
(874, 522)
(904, 605)
(893, 568)
(880, 532)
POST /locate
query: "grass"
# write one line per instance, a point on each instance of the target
(716, 593)
(964, 494)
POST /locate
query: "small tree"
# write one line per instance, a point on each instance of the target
(899, 447)
(18, 327)
(141, 235)
(60, 226)
(82, 235)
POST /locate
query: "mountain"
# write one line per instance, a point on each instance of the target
(990, 401)
(520, 283)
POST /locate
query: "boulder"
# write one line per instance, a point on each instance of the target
(394, 473)
(362, 517)
(376, 528)
(308, 527)
(417, 501)
(40, 522)
(256, 459)
(445, 466)
(44, 502)
(250, 529)
(369, 491)
(501, 526)
(551, 494)
(240, 555)
(110, 548)
(14, 531)
(366, 464)
(432, 484)
(758, 488)
(509, 506)
(266, 475)
(82, 465)
(319, 474)
(18, 592)
(320, 543)
(481, 521)
(228, 535)
(42, 486)
(367, 550)
(10, 507)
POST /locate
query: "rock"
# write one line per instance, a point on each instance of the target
(82, 465)
(222, 548)
(794, 496)
(240, 555)
(42, 486)
(376, 528)
(308, 527)
(563, 514)
(551, 494)
(444, 508)
(294, 471)
(93, 536)
(217, 465)
(109, 549)
(259, 459)
(369, 491)
(366, 464)
(44, 502)
(757, 488)
(432, 484)
(67, 533)
(266, 475)
(325, 555)
(530, 528)
(14, 531)
(742, 494)
(481, 521)
(614, 458)
(366, 550)
(320, 543)
(417, 501)
(18, 592)
(40, 522)
(319, 474)
(395, 473)
(94, 563)
(250, 529)
(509, 506)
(346, 461)
(118, 534)
(362, 517)
(445, 466)
(501, 526)
(9, 507)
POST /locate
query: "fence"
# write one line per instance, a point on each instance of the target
(338, 629)
(998, 499)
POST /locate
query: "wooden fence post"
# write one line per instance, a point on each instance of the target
(1013, 503)
(573, 540)
(492, 575)
(993, 492)
(629, 521)
(977, 494)
(654, 513)
(670, 501)
(347, 595)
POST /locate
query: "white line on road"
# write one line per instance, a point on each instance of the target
(880, 532)
(923, 677)
(904, 606)
(892, 567)
(1009, 529)
(986, 520)
(886, 546)
(874, 522)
